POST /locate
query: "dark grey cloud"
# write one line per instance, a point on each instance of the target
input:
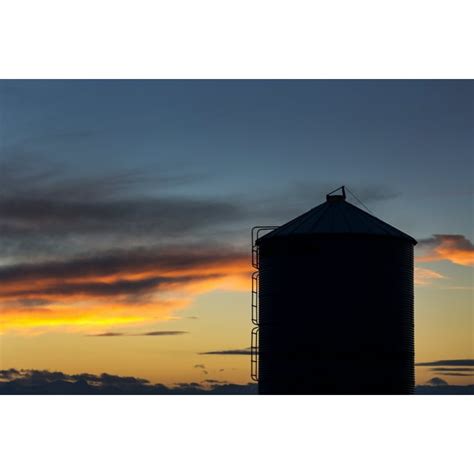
(44, 207)
(452, 374)
(35, 382)
(9, 374)
(453, 369)
(24, 216)
(118, 261)
(458, 241)
(245, 351)
(63, 211)
(132, 288)
(152, 333)
(436, 381)
(163, 333)
(34, 284)
(449, 362)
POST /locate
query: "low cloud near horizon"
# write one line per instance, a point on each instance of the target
(34, 382)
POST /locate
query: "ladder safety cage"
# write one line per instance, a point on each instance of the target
(256, 232)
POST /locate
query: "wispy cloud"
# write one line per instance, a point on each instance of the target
(449, 362)
(454, 374)
(245, 351)
(152, 333)
(451, 369)
(163, 333)
(425, 276)
(64, 207)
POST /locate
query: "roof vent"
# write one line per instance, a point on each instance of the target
(331, 197)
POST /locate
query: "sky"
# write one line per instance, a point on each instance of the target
(126, 209)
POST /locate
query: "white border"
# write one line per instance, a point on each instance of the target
(236, 39)
(236, 434)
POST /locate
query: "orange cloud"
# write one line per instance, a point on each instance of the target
(115, 289)
(455, 248)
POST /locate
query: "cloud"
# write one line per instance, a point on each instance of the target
(424, 276)
(152, 333)
(245, 351)
(62, 206)
(20, 381)
(457, 369)
(455, 248)
(122, 262)
(29, 302)
(152, 282)
(452, 374)
(148, 251)
(437, 381)
(120, 287)
(163, 333)
(46, 382)
(449, 362)
(9, 374)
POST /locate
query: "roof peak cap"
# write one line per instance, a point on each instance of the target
(331, 197)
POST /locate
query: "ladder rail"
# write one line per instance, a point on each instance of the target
(254, 343)
(255, 281)
(254, 353)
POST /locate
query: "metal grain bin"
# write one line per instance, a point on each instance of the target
(335, 304)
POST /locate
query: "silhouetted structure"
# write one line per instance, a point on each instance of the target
(334, 296)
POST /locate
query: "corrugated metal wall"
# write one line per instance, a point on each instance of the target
(336, 315)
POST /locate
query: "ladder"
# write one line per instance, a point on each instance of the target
(254, 344)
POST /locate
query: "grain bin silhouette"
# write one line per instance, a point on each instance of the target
(332, 304)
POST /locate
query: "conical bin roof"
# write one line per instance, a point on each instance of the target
(336, 216)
